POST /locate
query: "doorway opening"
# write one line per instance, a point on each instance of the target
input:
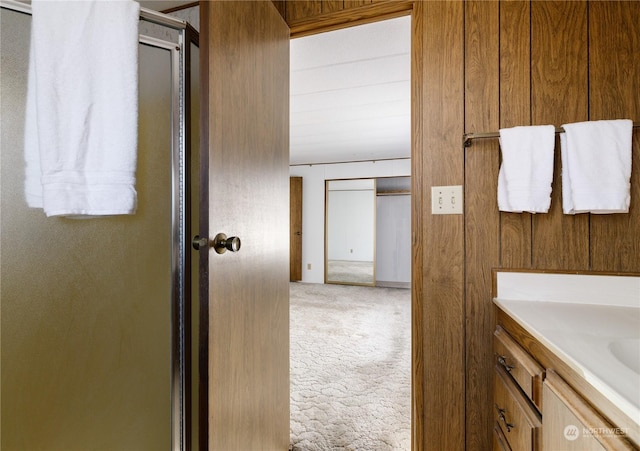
(350, 119)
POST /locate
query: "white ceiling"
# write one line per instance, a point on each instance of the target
(351, 94)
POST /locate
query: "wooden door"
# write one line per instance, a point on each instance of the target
(245, 147)
(295, 229)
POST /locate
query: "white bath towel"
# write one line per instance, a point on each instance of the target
(526, 172)
(82, 107)
(596, 166)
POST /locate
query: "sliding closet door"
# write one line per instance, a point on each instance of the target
(86, 304)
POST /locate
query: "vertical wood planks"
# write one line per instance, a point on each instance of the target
(613, 94)
(482, 221)
(559, 95)
(515, 109)
(442, 236)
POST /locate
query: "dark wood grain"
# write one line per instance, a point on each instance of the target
(515, 110)
(559, 94)
(295, 228)
(355, 3)
(482, 221)
(615, 239)
(296, 10)
(329, 6)
(442, 236)
(417, 250)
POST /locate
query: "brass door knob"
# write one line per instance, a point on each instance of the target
(222, 244)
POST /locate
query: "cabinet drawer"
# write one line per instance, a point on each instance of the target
(500, 442)
(527, 373)
(519, 421)
(571, 424)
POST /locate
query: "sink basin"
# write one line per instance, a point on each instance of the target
(627, 351)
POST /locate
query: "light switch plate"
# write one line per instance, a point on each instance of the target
(446, 200)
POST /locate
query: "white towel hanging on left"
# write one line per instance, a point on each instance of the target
(526, 173)
(81, 127)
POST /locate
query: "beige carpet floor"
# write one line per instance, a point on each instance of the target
(350, 368)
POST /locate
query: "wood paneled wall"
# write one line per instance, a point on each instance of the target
(481, 66)
(532, 63)
(438, 273)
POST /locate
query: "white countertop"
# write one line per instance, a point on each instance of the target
(600, 342)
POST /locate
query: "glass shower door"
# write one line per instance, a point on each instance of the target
(86, 304)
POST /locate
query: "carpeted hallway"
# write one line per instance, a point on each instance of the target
(350, 368)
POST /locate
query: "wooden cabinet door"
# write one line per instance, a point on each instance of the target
(570, 424)
(295, 229)
(245, 143)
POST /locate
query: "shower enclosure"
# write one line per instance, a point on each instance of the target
(96, 330)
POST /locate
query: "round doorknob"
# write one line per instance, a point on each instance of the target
(222, 244)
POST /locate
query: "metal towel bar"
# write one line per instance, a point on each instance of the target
(469, 137)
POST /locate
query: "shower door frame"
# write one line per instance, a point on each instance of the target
(180, 215)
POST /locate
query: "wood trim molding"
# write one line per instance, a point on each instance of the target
(350, 17)
(417, 182)
(181, 7)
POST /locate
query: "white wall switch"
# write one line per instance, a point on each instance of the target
(446, 200)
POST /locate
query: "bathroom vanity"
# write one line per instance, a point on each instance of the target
(567, 361)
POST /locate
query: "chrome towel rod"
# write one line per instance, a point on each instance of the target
(469, 137)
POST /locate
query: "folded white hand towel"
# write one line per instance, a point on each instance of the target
(526, 173)
(596, 166)
(82, 107)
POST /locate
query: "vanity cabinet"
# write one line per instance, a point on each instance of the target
(500, 442)
(517, 396)
(536, 409)
(572, 424)
(524, 370)
(516, 417)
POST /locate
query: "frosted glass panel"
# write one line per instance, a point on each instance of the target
(86, 304)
